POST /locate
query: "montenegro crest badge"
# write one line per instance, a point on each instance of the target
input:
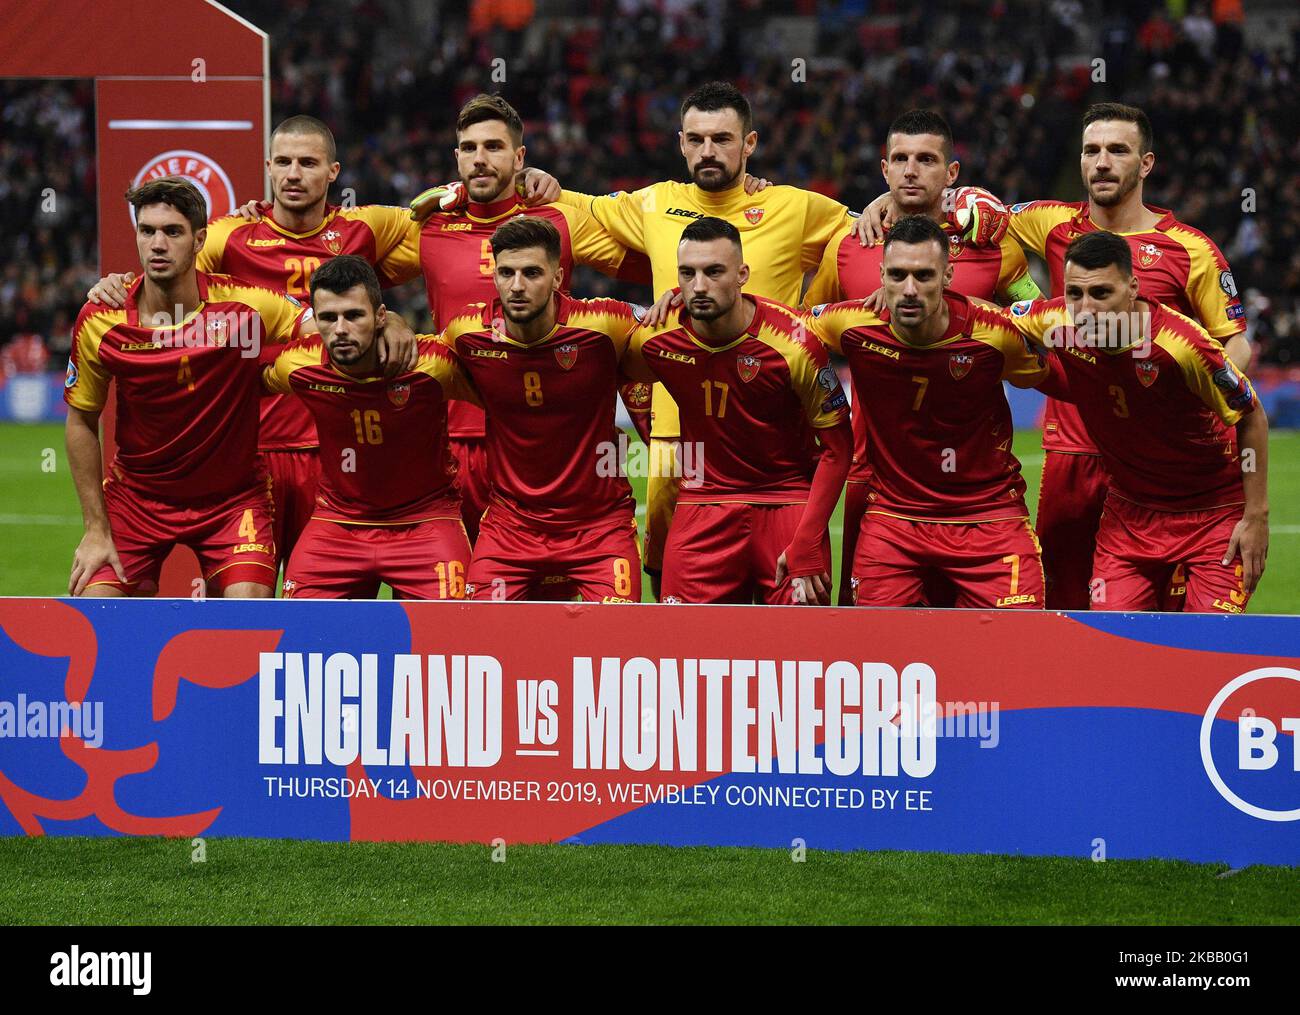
(218, 332)
(1147, 372)
(399, 393)
(566, 355)
(959, 364)
(955, 246)
(748, 366)
(1148, 254)
(333, 241)
(753, 215)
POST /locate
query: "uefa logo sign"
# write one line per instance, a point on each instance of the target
(202, 171)
(1255, 744)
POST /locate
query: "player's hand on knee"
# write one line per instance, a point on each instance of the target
(537, 187)
(875, 219)
(94, 551)
(665, 305)
(753, 184)
(399, 350)
(110, 291)
(1249, 540)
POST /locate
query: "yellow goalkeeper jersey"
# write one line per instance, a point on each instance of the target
(783, 232)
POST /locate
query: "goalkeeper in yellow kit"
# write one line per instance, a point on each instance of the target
(784, 230)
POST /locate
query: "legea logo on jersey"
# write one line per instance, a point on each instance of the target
(204, 172)
(1250, 743)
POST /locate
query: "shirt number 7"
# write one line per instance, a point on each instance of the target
(922, 383)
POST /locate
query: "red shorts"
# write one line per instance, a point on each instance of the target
(294, 477)
(231, 537)
(1140, 552)
(726, 553)
(472, 480)
(855, 509)
(599, 561)
(1069, 508)
(426, 560)
(990, 565)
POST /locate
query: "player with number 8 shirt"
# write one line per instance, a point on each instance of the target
(547, 369)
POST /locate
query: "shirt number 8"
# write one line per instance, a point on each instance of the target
(533, 388)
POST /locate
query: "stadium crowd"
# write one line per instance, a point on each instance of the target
(599, 96)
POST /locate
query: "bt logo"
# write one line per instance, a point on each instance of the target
(1258, 747)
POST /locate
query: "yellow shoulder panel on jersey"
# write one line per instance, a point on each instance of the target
(295, 356)
(212, 256)
(815, 382)
(829, 321)
(281, 314)
(391, 226)
(86, 384)
(1207, 371)
(1031, 221)
(468, 320)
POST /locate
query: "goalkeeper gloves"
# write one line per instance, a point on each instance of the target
(979, 216)
(444, 197)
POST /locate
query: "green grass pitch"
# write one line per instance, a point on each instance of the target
(245, 881)
(157, 881)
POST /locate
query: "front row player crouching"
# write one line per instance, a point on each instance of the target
(1181, 433)
(184, 352)
(945, 498)
(547, 368)
(756, 394)
(386, 510)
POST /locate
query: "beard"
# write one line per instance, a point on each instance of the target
(722, 182)
(523, 316)
(710, 313)
(1126, 187)
(487, 189)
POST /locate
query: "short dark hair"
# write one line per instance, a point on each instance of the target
(1101, 249)
(309, 125)
(527, 231)
(917, 229)
(702, 230)
(1128, 114)
(339, 274)
(716, 95)
(484, 107)
(176, 191)
(922, 121)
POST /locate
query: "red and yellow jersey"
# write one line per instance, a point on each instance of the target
(1174, 263)
(850, 271)
(784, 234)
(266, 253)
(1162, 411)
(384, 458)
(551, 438)
(938, 424)
(454, 252)
(750, 407)
(186, 395)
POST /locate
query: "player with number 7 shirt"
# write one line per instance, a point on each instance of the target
(945, 498)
